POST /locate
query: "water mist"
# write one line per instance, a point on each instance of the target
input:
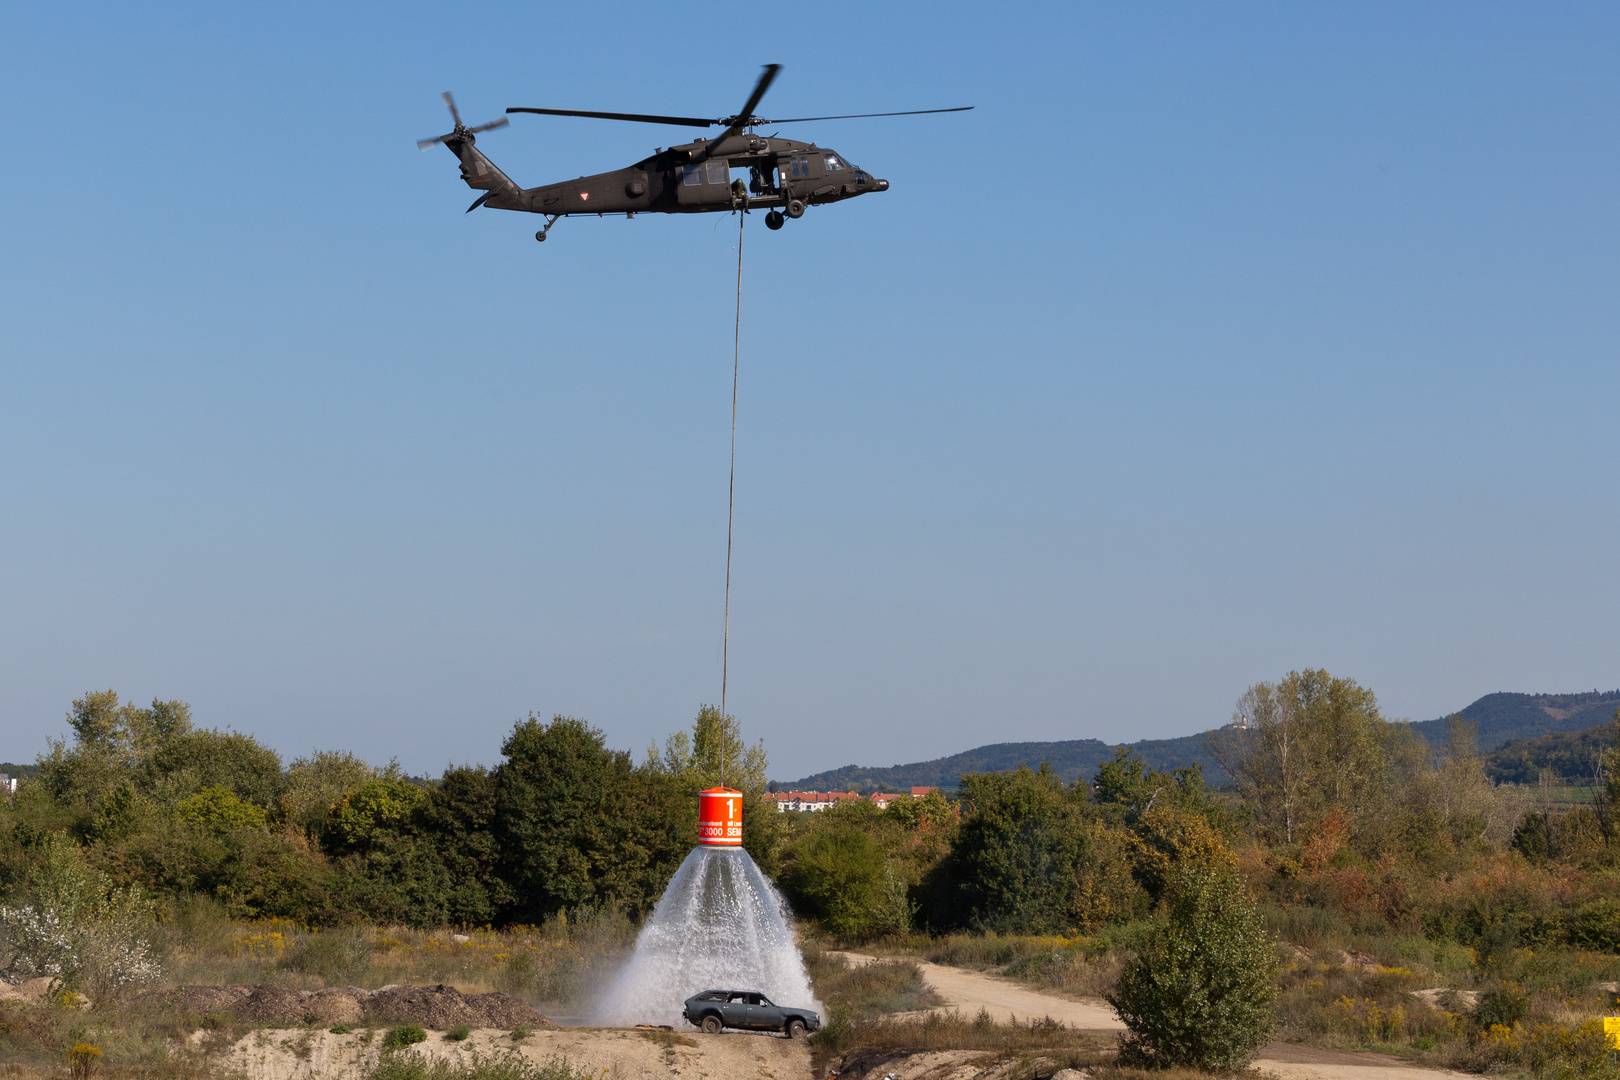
(720, 925)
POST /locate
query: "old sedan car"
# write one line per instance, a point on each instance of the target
(749, 1010)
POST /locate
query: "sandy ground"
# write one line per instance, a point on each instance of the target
(969, 991)
(605, 1054)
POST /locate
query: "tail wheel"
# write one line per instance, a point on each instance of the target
(541, 235)
(795, 1028)
(711, 1024)
(773, 220)
(795, 208)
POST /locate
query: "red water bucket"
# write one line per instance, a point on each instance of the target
(720, 817)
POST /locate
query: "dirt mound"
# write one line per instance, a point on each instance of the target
(431, 1006)
(444, 1006)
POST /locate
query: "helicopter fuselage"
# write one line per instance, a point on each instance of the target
(735, 172)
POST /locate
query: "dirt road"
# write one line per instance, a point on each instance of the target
(969, 991)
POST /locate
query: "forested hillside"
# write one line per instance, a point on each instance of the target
(1498, 718)
(1570, 755)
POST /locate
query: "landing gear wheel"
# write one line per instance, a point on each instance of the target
(541, 235)
(711, 1025)
(773, 220)
(795, 208)
(795, 1029)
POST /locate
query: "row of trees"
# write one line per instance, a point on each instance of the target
(1334, 805)
(178, 810)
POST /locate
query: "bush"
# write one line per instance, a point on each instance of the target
(1199, 989)
(458, 1033)
(337, 956)
(1597, 926)
(80, 931)
(1505, 1006)
(403, 1036)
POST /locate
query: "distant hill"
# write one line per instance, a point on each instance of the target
(1499, 718)
(1573, 755)
(11, 769)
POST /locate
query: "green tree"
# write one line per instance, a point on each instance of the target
(713, 755)
(578, 826)
(217, 810)
(361, 817)
(188, 761)
(312, 785)
(1199, 989)
(1030, 857)
(1312, 743)
(839, 877)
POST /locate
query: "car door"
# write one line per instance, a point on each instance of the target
(735, 1011)
(764, 1016)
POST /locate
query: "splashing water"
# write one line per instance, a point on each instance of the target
(719, 926)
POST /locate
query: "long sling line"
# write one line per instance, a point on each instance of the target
(731, 497)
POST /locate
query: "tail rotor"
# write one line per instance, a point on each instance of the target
(462, 133)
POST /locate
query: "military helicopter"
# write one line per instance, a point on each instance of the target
(695, 178)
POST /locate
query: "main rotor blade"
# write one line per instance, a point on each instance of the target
(766, 77)
(423, 144)
(502, 122)
(864, 115)
(450, 101)
(640, 118)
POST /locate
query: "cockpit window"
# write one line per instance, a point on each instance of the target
(834, 163)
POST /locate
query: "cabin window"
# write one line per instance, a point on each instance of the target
(833, 163)
(799, 167)
(718, 172)
(691, 175)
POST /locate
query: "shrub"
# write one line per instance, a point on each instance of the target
(340, 1029)
(337, 956)
(216, 809)
(80, 931)
(1199, 989)
(458, 1033)
(1505, 1005)
(403, 1036)
(1597, 926)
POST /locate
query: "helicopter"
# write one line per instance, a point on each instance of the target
(695, 178)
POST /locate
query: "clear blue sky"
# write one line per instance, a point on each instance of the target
(1219, 340)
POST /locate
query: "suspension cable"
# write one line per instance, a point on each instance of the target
(731, 499)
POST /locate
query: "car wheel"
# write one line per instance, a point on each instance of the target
(795, 1028)
(711, 1024)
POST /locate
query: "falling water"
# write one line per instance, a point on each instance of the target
(719, 926)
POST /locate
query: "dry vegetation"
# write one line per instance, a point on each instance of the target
(876, 1010)
(558, 965)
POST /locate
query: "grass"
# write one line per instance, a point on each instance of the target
(555, 966)
(867, 990)
(504, 1065)
(558, 965)
(878, 1009)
